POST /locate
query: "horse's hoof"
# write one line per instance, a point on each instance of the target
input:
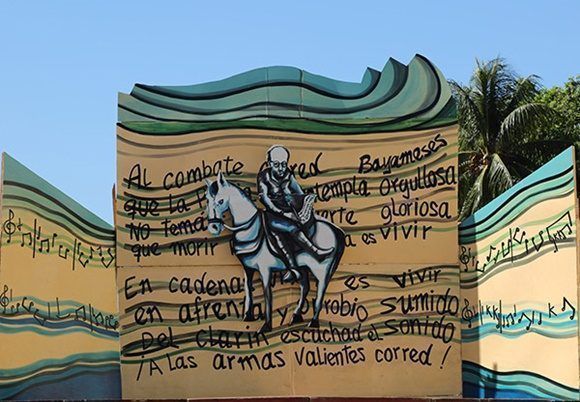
(296, 319)
(267, 327)
(249, 317)
(314, 324)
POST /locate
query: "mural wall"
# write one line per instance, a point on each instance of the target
(220, 280)
(381, 158)
(58, 307)
(519, 284)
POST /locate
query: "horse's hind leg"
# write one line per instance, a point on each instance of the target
(320, 290)
(266, 285)
(304, 289)
(249, 299)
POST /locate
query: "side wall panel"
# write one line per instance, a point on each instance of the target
(58, 318)
(519, 284)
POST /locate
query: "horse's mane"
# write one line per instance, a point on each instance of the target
(242, 192)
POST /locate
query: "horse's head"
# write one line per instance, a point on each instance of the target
(218, 201)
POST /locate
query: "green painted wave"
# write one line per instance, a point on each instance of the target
(397, 98)
(18, 179)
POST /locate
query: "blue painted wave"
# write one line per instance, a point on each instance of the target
(481, 382)
(555, 327)
(52, 363)
(61, 327)
(74, 382)
(96, 374)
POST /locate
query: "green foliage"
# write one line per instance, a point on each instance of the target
(505, 132)
(566, 102)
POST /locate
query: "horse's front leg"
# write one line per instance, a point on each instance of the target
(249, 299)
(304, 289)
(266, 275)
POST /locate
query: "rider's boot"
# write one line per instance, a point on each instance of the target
(306, 243)
(292, 273)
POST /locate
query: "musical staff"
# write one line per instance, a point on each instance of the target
(555, 233)
(58, 244)
(503, 318)
(54, 311)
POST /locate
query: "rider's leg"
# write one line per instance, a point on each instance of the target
(292, 272)
(306, 243)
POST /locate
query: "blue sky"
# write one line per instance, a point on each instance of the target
(63, 62)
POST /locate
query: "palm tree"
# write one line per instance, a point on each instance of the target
(499, 142)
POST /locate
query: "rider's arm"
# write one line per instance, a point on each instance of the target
(294, 186)
(266, 200)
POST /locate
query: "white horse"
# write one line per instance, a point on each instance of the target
(256, 254)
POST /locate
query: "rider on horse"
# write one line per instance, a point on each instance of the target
(278, 189)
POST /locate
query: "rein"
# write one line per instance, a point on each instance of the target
(238, 228)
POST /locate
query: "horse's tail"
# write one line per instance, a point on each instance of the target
(339, 251)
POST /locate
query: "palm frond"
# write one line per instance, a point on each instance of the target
(499, 179)
(473, 198)
(525, 119)
(519, 164)
(525, 91)
(470, 118)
